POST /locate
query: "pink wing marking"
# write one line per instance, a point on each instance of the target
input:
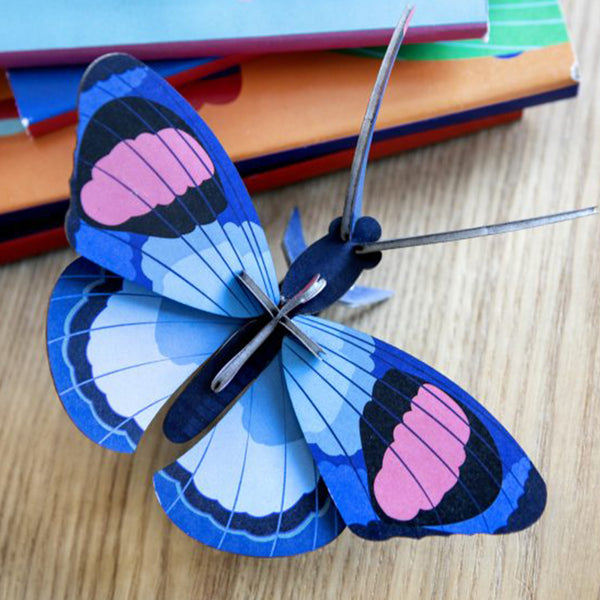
(138, 175)
(417, 441)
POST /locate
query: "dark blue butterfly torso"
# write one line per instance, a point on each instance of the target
(335, 260)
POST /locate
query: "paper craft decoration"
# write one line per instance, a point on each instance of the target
(327, 426)
(185, 28)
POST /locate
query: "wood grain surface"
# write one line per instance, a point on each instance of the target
(514, 319)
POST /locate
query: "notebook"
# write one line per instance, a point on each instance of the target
(280, 115)
(41, 228)
(34, 32)
(46, 96)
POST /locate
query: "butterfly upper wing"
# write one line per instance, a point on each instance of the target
(403, 450)
(117, 351)
(251, 486)
(155, 198)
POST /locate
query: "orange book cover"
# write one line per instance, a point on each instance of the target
(279, 110)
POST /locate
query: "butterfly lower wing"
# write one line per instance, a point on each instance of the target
(156, 199)
(117, 351)
(250, 486)
(403, 450)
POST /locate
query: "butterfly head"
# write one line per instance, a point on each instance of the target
(336, 260)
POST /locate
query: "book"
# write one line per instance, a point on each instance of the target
(66, 31)
(280, 115)
(7, 101)
(9, 121)
(39, 229)
(46, 97)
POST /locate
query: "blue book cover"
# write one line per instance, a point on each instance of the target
(70, 31)
(46, 96)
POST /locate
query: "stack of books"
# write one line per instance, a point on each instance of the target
(283, 86)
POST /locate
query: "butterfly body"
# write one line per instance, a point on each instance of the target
(331, 258)
(363, 435)
(336, 261)
(188, 417)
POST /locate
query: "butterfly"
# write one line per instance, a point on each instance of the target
(320, 426)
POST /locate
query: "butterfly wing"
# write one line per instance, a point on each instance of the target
(155, 198)
(250, 486)
(117, 351)
(403, 450)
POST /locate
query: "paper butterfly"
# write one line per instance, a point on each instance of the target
(330, 426)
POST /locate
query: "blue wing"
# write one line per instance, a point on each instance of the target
(117, 351)
(403, 450)
(250, 486)
(155, 198)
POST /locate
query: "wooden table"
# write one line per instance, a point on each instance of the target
(515, 319)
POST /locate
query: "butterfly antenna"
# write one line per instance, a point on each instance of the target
(465, 234)
(353, 202)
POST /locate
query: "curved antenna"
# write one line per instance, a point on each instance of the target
(353, 202)
(473, 232)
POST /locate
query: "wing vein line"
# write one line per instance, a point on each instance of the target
(390, 364)
(182, 490)
(166, 267)
(243, 470)
(378, 434)
(132, 324)
(131, 417)
(342, 447)
(153, 209)
(128, 368)
(283, 485)
(100, 295)
(167, 120)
